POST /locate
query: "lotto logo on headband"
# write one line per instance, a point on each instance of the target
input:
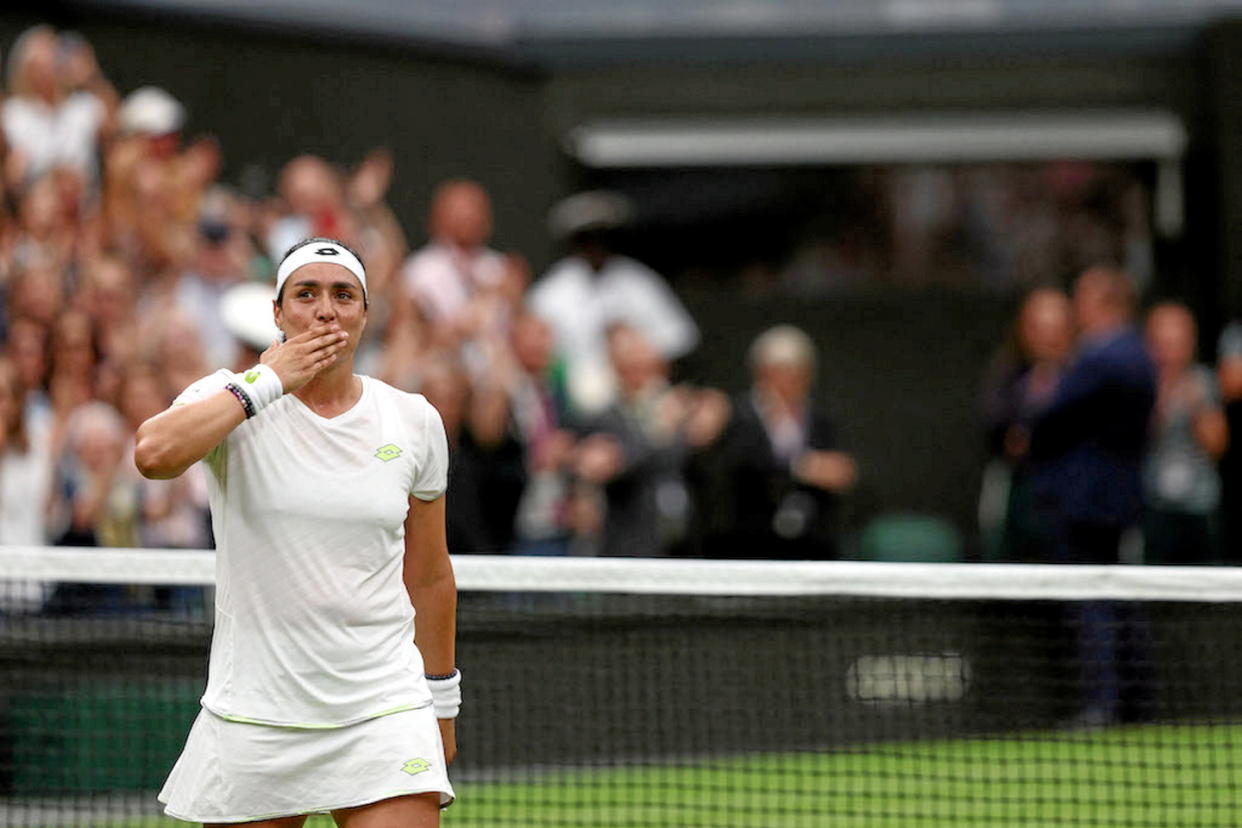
(327, 251)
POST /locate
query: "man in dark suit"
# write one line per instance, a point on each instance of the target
(1089, 445)
(1091, 439)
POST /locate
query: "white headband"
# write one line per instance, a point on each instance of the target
(326, 251)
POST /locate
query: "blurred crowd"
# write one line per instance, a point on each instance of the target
(128, 270)
(1111, 440)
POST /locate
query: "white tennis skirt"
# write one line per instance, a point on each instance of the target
(239, 772)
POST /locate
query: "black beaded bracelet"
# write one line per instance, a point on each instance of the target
(242, 398)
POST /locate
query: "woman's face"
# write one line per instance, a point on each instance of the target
(322, 294)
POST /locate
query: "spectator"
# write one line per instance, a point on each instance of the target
(221, 257)
(1189, 434)
(314, 197)
(1092, 436)
(96, 498)
(445, 278)
(27, 347)
(25, 465)
(537, 407)
(173, 513)
(36, 294)
(46, 236)
(593, 287)
(59, 104)
(144, 213)
(637, 450)
(25, 486)
(1020, 383)
(487, 462)
(107, 295)
(1091, 440)
(180, 349)
(383, 246)
(785, 458)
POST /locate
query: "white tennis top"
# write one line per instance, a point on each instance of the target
(314, 627)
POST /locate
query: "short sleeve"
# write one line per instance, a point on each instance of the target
(431, 476)
(201, 390)
(204, 388)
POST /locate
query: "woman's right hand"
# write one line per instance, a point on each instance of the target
(301, 358)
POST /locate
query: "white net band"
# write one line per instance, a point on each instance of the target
(647, 576)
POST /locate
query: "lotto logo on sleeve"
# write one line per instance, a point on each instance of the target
(388, 452)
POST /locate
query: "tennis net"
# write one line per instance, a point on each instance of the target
(617, 693)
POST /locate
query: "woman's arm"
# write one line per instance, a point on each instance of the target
(178, 437)
(429, 580)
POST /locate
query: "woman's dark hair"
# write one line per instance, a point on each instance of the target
(320, 240)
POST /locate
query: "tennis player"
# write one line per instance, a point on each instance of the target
(328, 510)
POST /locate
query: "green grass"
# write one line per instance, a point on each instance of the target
(1176, 776)
(1183, 776)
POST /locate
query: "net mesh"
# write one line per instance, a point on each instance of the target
(611, 693)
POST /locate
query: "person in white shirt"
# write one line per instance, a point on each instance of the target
(591, 289)
(445, 279)
(326, 497)
(58, 107)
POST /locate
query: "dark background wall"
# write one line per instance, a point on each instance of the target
(900, 370)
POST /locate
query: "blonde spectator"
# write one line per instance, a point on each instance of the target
(59, 106)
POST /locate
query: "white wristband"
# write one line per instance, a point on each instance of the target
(446, 695)
(261, 384)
